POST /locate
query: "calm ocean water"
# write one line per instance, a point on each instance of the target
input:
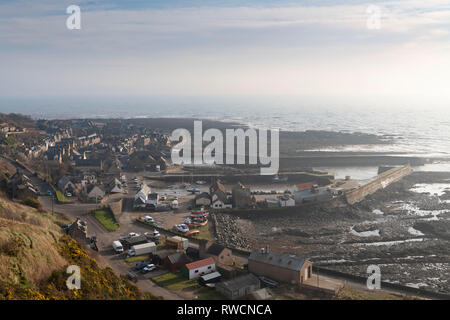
(416, 129)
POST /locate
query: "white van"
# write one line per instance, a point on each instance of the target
(117, 246)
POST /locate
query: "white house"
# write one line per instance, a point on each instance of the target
(153, 199)
(218, 203)
(141, 197)
(114, 186)
(198, 268)
(143, 193)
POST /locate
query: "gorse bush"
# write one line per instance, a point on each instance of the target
(10, 247)
(96, 283)
(32, 202)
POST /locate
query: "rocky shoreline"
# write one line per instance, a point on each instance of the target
(399, 228)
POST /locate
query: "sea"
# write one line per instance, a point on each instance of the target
(415, 126)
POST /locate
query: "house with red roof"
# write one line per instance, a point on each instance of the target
(198, 268)
(306, 186)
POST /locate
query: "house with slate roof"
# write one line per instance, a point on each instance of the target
(176, 261)
(280, 267)
(239, 287)
(216, 251)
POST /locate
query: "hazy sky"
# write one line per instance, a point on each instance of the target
(225, 47)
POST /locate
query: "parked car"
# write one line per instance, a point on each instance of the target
(152, 235)
(68, 194)
(130, 235)
(133, 234)
(149, 268)
(117, 246)
(181, 228)
(149, 219)
(141, 265)
(49, 193)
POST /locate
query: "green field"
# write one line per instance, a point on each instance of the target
(174, 281)
(61, 197)
(106, 218)
(205, 233)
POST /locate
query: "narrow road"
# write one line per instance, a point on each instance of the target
(106, 254)
(105, 239)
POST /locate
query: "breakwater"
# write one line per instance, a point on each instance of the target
(380, 182)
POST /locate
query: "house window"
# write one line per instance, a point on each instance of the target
(196, 271)
(209, 267)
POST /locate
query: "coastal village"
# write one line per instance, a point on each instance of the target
(160, 224)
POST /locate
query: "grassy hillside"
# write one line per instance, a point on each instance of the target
(27, 244)
(34, 255)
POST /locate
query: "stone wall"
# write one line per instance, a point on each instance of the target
(382, 181)
(116, 208)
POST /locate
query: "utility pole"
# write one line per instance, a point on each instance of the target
(318, 285)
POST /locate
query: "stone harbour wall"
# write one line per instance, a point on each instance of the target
(380, 182)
